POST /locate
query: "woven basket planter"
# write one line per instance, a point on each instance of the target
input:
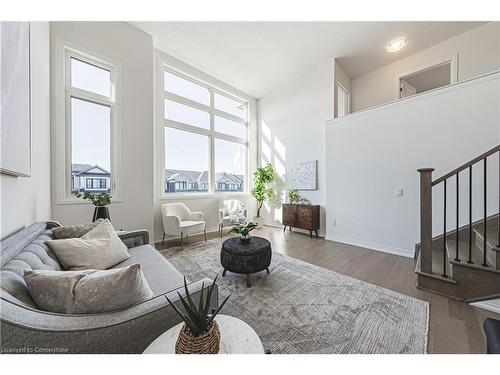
(208, 343)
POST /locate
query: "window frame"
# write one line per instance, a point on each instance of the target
(212, 135)
(63, 129)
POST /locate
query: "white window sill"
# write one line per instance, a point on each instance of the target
(188, 196)
(82, 201)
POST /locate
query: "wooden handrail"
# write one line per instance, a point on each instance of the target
(426, 185)
(466, 165)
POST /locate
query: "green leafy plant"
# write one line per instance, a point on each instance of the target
(244, 230)
(98, 200)
(198, 317)
(293, 195)
(263, 189)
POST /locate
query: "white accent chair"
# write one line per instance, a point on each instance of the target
(180, 221)
(231, 212)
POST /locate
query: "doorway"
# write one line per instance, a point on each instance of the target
(426, 79)
(343, 98)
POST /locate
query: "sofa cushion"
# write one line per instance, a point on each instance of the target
(161, 276)
(100, 249)
(87, 291)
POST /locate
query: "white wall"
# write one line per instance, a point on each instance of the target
(371, 153)
(291, 129)
(27, 199)
(132, 49)
(478, 53)
(208, 204)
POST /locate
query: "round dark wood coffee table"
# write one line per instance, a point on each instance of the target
(246, 258)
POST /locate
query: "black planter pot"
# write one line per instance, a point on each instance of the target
(245, 240)
(101, 212)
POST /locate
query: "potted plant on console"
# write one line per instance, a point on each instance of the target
(293, 196)
(244, 231)
(101, 202)
(263, 190)
(200, 332)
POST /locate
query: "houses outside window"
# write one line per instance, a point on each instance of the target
(205, 136)
(90, 178)
(95, 184)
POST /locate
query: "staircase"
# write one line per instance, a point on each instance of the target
(462, 263)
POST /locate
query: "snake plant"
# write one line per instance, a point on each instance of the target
(198, 317)
(244, 230)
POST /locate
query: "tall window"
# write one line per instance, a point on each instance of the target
(90, 107)
(206, 136)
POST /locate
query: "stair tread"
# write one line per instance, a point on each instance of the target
(491, 231)
(437, 261)
(463, 251)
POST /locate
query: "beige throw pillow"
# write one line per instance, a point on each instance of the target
(99, 249)
(89, 291)
(74, 231)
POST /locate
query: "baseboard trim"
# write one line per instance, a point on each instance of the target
(493, 305)
(297, 230)
(372, 246)
(169, 238)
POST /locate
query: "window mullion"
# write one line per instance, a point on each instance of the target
(212, 144)
(89, 96)
(191, 103)
(186, 127)
(230, 138)
(229, 116)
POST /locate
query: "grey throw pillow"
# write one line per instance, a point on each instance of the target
(88, 291)
(100, 249)
(74, 231)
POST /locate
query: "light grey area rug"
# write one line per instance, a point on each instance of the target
(302, 308)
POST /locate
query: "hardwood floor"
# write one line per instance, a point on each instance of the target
(454, 327)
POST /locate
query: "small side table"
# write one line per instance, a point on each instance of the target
(246, 258)
(236, 337)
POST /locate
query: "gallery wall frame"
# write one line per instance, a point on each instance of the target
(303, 175)
(15, 99)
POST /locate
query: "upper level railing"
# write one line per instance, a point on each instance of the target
(426, 185)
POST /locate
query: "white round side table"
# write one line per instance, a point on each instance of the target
(236, 337)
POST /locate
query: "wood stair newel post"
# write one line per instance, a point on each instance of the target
(426, 219)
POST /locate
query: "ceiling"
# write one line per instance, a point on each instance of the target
(257, 57)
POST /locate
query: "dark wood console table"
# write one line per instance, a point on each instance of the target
(301, 216)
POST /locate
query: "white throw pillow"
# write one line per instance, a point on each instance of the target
(99, 249)
(233, 211)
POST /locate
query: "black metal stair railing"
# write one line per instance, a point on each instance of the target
(426, 185)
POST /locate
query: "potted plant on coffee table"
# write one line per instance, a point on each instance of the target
(263, 190)
(200, 332)
(244, 231)
(101, 201)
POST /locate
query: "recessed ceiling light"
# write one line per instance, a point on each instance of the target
(396, 44)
